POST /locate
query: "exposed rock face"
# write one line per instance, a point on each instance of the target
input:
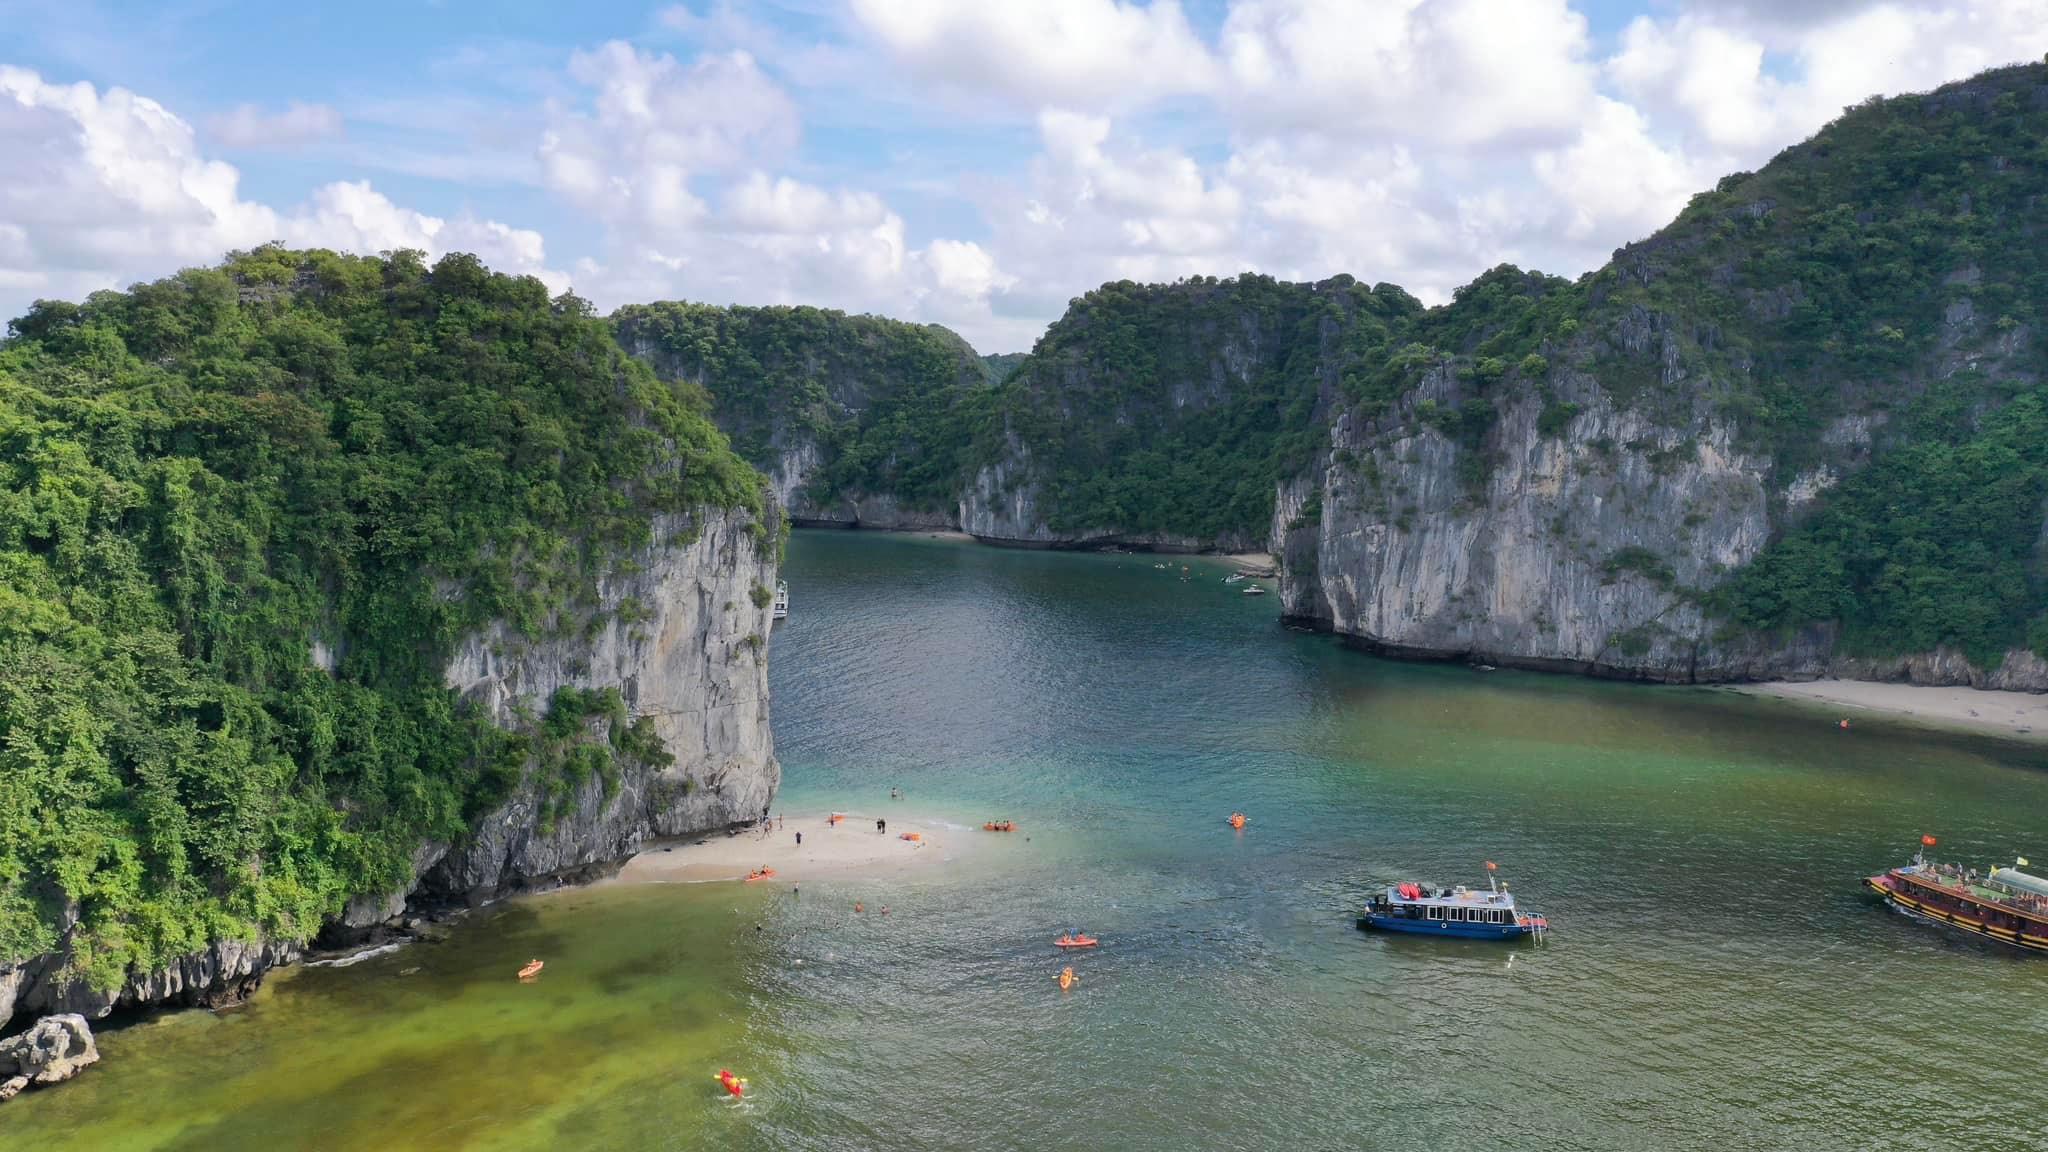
(1574, 552)
(694, 658)
(1582, 550)
(697, 664)
(226, 972)
(53, 1051)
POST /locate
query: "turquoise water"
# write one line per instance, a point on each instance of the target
(1715, 977)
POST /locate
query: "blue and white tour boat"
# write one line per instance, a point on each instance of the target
(1473, 914)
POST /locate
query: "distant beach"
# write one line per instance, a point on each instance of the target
(2022, 715)
(851, 846)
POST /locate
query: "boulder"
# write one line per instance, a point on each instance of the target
(51, 1052)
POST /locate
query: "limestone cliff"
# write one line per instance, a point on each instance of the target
(1742, 450)
(683, 637)
(1157, 416)
(692, 656)
(856, 420)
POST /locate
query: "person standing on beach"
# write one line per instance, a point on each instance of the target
(881, 827)
(799, 839)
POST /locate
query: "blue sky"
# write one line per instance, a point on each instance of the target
(960, 162)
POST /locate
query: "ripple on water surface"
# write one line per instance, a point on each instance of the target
(1716, 979)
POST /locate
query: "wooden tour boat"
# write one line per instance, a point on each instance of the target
(2003, 904)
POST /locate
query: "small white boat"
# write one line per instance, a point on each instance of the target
(781, 609)
(1233, 578)
(1254, 590)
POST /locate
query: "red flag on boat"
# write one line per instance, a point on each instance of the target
(1492, 867)
(1927, 840)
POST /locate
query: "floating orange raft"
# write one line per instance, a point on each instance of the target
(1076, 942)
(531, 970)
(1000, 826)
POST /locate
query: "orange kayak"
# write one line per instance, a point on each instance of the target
(999, 826)
(914, 836)
(763, 874)
(1076, 942)
(1067, 979)
(531, 970)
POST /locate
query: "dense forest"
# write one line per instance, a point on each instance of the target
(211, 482)
(888, 406)
(1889, 271)
(1174, 410)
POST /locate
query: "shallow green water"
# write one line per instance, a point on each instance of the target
(1715, 979)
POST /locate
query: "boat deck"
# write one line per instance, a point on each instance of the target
(1957, 885)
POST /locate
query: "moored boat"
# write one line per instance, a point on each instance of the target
(1459, 911)
(2006, 905)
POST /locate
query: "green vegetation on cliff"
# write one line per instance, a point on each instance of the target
(1889, 270)
(890, 407)
(209, 482)
(1175, 409)
(1849, 272)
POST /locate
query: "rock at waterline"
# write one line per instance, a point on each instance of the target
(49, 1053)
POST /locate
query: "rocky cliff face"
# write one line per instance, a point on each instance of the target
(1584, 549)
(689, 650)
(1590, 476)
(694, 659)
(1581, 550)
(224, 973)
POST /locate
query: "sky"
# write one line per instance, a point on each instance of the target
(974, 163)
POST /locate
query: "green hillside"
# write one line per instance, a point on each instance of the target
(890, 406)
(202, 477)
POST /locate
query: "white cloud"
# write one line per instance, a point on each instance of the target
(1417, 141)
(651, 126)
(1095, 52)
(1703, 77)
(1615, 179)
(676, 162)
(964, 269)
(1470, 71)
(106, 188)
(248, 126)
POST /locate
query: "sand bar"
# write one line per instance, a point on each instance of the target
(2023, 715)
(850, 847)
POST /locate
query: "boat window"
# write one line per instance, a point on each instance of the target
(1436, 913)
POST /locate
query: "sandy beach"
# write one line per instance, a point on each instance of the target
(852, 846)
(2023, 715)
(1261, 563)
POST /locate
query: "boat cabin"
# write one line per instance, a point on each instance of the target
(1457, 905)
(1488, 913)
